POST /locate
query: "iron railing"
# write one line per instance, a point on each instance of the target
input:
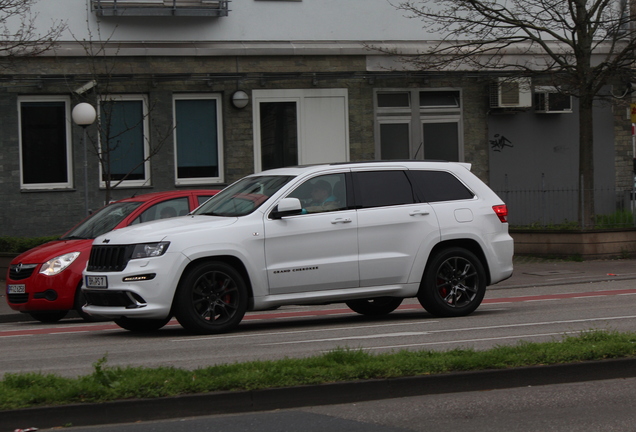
(559, 208)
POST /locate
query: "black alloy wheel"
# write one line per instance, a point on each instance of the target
(211, 298)
(454, 283)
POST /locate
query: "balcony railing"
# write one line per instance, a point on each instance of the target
(132, 8)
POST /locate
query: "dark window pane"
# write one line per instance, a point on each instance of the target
(123, 139)
(197, 138)
(394, 141)
(279, 134)
(393, 100)
(44, 152)
(439, 98)
(441, 141)
(165, 209)
(383, 188)
(439, 186)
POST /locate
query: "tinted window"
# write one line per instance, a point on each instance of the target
(383, 188)
(322, 193)
(165, 209)
(439, 186)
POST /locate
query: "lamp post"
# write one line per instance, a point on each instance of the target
(84, 115)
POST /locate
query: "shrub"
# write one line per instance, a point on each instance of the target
(22, 244)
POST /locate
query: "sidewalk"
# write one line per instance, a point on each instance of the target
(528, 272)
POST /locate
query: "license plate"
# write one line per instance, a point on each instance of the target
(96, 282)
(16, 289)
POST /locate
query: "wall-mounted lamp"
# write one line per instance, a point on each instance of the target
(240, 99)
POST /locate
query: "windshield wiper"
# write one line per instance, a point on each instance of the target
(74, 238)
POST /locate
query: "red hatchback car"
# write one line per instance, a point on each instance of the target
(45, 281)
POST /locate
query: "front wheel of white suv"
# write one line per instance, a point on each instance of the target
(454, 283)
(211, 298)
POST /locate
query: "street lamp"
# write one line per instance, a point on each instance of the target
(84, 115)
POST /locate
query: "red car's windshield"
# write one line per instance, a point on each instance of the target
(102, 221)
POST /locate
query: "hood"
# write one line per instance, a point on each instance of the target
(158, 230)
(46, 251)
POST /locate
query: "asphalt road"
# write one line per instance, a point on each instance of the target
(507, 316)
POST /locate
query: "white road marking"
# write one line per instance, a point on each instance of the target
(463, 329)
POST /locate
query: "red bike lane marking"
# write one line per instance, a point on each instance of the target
(300, 314)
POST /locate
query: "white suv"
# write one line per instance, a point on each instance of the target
(366, 234)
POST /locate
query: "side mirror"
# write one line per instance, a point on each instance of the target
(287, 207)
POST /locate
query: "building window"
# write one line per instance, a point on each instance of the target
(124, 149)
(428, 129)
(198, 139)
(45, 147)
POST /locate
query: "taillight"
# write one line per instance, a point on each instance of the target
(502, 212)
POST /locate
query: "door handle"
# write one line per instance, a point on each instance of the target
(419, 213)
(341, 220)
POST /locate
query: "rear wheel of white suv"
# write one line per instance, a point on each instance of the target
(454, 283)
(211, 298)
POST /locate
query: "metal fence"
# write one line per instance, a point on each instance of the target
(559, 208)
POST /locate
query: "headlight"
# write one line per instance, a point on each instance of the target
(148, 250)
(57, 264)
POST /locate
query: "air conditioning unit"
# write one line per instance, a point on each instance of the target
(507, 92)
(547, 100)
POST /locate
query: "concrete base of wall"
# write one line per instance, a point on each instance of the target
(586, 244)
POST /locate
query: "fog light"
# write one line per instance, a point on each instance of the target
(139, 278)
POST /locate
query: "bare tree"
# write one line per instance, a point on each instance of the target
(19, 34)
(119, 130)
(582, 45)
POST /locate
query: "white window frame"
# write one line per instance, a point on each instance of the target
(417, 115)
(394, 120)
(220, 145)
(445, 119)
(146, 127)
(69, 148)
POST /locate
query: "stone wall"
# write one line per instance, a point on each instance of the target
(38, 213)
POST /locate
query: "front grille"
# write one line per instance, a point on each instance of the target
(21, 271)
(17, 298)
(109, 298)
(109, 258)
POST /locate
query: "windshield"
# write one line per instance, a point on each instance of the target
(243, 197)
(102, 221)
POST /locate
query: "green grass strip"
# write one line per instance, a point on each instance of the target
(116, 383)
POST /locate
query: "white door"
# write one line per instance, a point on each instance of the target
(300, 127)
(317, 250)
(391, 226)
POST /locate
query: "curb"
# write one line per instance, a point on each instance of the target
(127, 411)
